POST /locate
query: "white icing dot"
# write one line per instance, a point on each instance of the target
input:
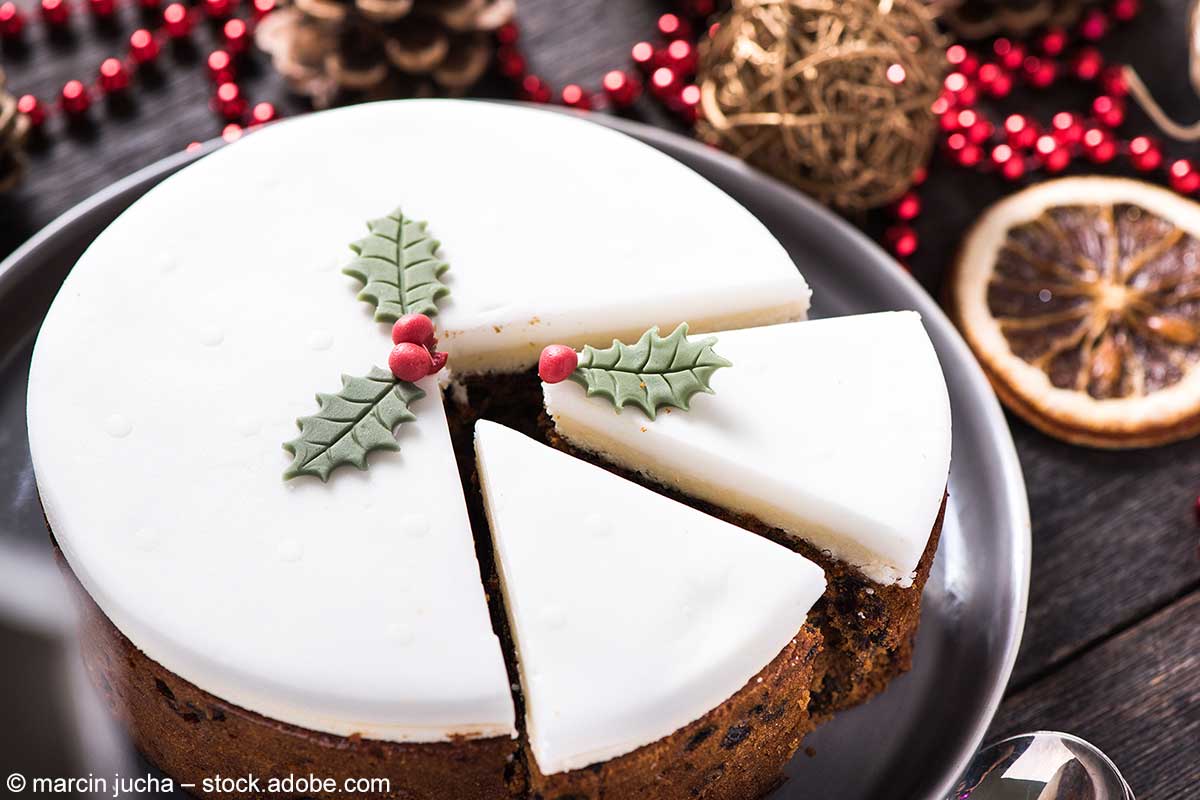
(118, 426)
(289, 550)
(414, 525)
(554, 617)
(597, 526)
(145, 539)
(211, 336)
(246, 426)
(397, 632)
(320, 340)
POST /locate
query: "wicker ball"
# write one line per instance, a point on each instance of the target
(832, 96)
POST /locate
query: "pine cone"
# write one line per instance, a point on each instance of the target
(14, 126)
(339, 50)
(977, 19)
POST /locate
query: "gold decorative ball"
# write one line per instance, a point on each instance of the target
(831, 96)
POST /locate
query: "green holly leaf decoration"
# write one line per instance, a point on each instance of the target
(359, 419)
(398, 268)
(655, 372)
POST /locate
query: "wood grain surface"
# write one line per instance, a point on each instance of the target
(1112, 644)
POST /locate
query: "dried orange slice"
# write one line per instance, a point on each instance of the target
(1081, 299)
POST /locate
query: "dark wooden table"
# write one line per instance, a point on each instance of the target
(1112, 644)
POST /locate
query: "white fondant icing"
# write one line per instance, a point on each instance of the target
(837, 431)
(625, 637)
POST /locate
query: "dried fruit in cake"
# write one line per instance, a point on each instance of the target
(1081, 299)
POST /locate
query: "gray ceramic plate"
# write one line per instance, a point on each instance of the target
(909, 743)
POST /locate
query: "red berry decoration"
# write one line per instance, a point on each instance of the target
(622, 88)
(177, 20)
(12, 21)
(74, 98)
(237, 35)
(1144, 153)
(229, 102)
(414, 329)
(220, 66)
(1099, 145)
(1184, 177)
(557, 363)
(410, 362)
(56, 13)
(143, 47)
(262, 113)
(31, 107)
(114, 78)
(1110, 111)
(574, 96)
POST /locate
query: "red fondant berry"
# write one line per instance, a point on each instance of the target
(413, 328)
(439, 361)
(557, 363)
(409, 362)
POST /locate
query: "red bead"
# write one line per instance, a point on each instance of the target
(1011, 54)
(1094, 25)
(1087, 63)
(981, 131)
(237, 35)
(260, 8)
(621, 87)
(55, 12)
(12, 21)
(1112, 80)
(143, 47)
(1053, 41)
(1020, 131)
(1144, 154)
(177, 20)
(1183, 176)
(994, 80)
(908, 207)
(1066, 128)
(74, 98)
(510, 62)
(663, 80)
(941, 107)
(229, 102)
(672, 26)
(414, 329)
(508, 33)
(535, 89)
(231, 132)
(574, 96)
(102, 9)
(970, 155)
(687, 103)
(409, 362)
(643, 54)
(113, 76)
(902, 239)
(1040, 72)
(262, 113)
(31, 107)
(1125, 10)
(681, 56)
(1099, 145)
(1109, 111)
(1054, 156)
(218, 9)
(919, 175)
(220, 66)
(948, 120)
(1010, 163)
(557, 362)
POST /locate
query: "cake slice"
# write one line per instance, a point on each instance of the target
(662, 651)
(830, 435)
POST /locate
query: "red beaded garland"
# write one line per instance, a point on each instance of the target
(621, 87)
(260, 8)
(220, 66)
(1125, 10)
(1067, 128)
(556, 363)
(102, 9)
(1040, 72)
(908, 207)
(143, 47)
(231, 132)
(262, 113)
(218, 9)
(229, 102)
(1094, 25)
(1053, 155)
(1087, 63)
(1110, 111)
(236, 34)
(1099, 145)
(535, 89)
(1011, 54)
(902, 239)
(574, 96)
(1008, 161)
(1021, 131)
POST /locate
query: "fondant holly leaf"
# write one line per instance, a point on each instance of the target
(652, 373)
(398, 269)
(362, 417)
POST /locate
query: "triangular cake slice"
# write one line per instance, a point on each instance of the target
(835, 432)
(640, 622)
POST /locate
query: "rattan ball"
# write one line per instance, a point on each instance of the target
(831, 96)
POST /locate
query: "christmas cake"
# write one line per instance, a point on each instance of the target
(341, 607)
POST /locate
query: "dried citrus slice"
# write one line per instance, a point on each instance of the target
(1081, 299)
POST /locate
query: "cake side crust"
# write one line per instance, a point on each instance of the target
(192, 735)
(737, 751)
